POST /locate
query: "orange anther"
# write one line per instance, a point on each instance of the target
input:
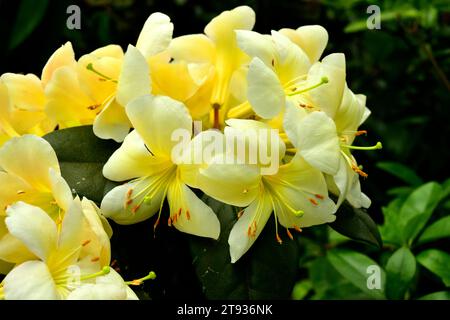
(278, 239)
(289, 234)
(360, 132)
(95, 259)
(135, 208)
(319, 196)
(179, 212)
(129, 201)
(297, 228)
(188, 215)
(85, 243)
(169, 222)
(313, 201)
(240, 213)
(130, 191)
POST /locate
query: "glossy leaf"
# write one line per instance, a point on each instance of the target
(400, 270)
(81, 156)
(437, 262)
(417, 209)
(438, 230)
(355, 267)
(267, 271)
(29, 16)
(356, 224)
(440, 295)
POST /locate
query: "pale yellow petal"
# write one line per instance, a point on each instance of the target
(63, 56)
(155, 35)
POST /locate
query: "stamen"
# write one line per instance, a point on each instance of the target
(128, 202)
(169, 222)
(249, 231)
(93, 107)
(289, 234)
(242, 111)
(323, 80)
(129, 193)
(135, 208)
(313, 201)
(375, 147)
(240, 213)
(188, 215)
(359, 171)
(361, 132)
(319, 196)
(20, 192)
(105, 270)
(277, 236)
(297, 228)
(90, 67)
(138, 282)
(216, 108)
(95, 259)
(179, 212)
(85, 243)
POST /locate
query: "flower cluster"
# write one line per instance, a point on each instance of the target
(239, 85)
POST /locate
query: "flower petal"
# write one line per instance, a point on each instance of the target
(257, 213)
(30, 158)
(242, 17)
(133, 160)
(134, 79)
(265, 93)
(192, 48)
(318, 143)
(195, 217)
(156, 119)
(112, 122)
(114, 204)
(63, 56)
(60, 190)
(257, 45)
(33, 227)
(155, 35)
(13, 250)
(30, 281)
(328, 96)
(312, 39)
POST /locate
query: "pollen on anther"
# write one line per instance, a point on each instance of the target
(313, 201)
(289, 234)
(169, 222)
(240, 213)
(279, 239)
(128, 202)
(85, 243)
(188, 215)
(95, 259)
(130, 191)
(360, 132)
(156, 224)
(179, 212)
(297, 228)
(135, 208)
(249, 231)
(319, 196)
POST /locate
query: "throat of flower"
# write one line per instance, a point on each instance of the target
(102, 76)
(2, 292)
(70, 278)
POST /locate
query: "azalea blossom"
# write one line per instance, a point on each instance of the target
(57, 271)
(297, 195)
(216, 60)
(145, 159)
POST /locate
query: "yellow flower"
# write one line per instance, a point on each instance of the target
(22, 107)
(297, 195)
(215, 59)
(146, 157)
(57, 271)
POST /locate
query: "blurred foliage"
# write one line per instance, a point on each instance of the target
(403, 68)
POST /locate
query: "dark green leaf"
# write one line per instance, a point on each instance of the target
(267, 271)
(355, 267)
(357, 225)
(417, 209)
(301, 289)
(401, 171)
(30, 14)
(437, 262)
(440, 295)
(400, 270)
(81, 156)
(392, 221)
(438, 230)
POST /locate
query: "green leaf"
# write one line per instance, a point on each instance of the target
(355, 267)
(82, 156)
(301, 289)
(438, 230)
(392, 221)
(440, 295)
(404, 13)
(401, 171)
(328, 283)
(357, 225)
(29, 16)
(400, 270)
(437, 262)
(417, 209)
(267, 271)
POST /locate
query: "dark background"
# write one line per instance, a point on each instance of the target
(403, 68)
